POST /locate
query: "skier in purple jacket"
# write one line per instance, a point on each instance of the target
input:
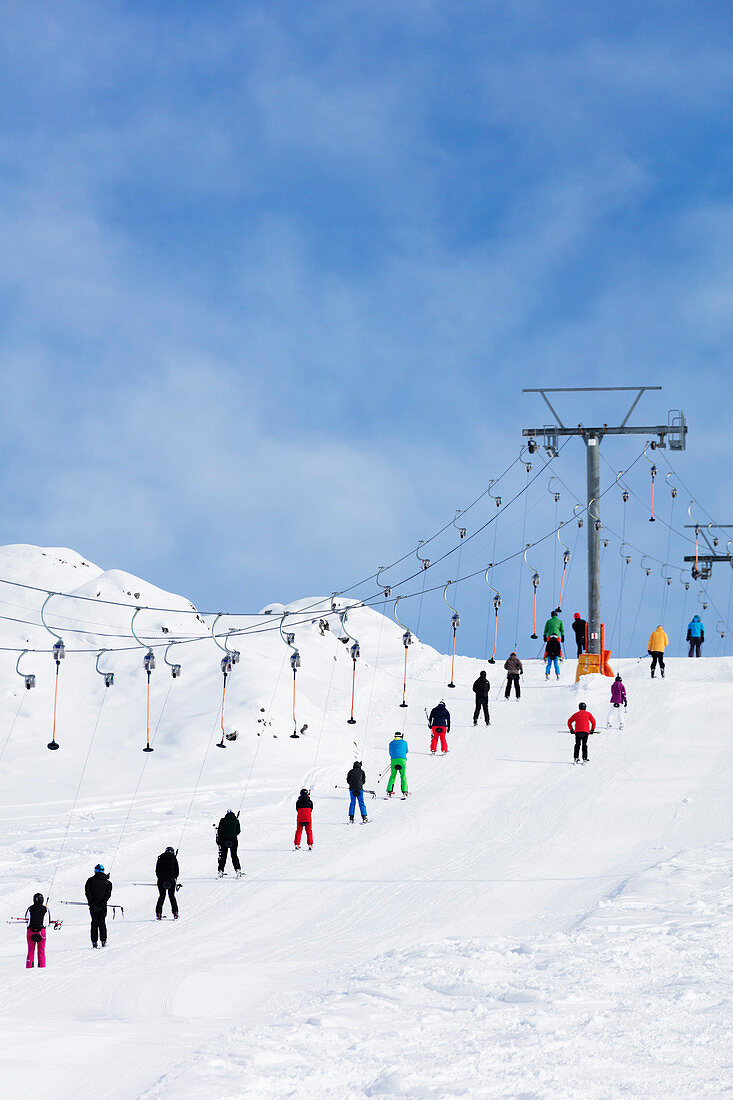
(618, 700)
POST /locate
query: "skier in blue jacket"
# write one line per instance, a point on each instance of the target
(695, 636)
(398, 751)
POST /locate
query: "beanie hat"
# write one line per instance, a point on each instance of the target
(618, 678)
(576, 615)
(304, 790)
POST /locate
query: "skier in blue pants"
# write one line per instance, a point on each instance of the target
(356, 780)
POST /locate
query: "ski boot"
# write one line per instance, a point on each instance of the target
(364, 820)
(221, 874)
(240, 874)
(351, 818)
(297, 848)
(310, 847)
(158, 916)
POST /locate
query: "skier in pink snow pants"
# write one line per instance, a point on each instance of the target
(38, 920)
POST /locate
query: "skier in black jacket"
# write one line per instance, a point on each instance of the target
(356, 779)
(439, 722)
(579, 626)
(38, 918)
(98, 890)
(481, 688)
(226, 837)
(167, 872)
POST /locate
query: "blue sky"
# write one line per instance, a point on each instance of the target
(275, 274)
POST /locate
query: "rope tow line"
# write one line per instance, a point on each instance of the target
(148, 665)
(59, 653)
(407, 642)
(455, 623)
(535, 586)
(496, 600)
(355, 653)
(289, 640)
(228, 661)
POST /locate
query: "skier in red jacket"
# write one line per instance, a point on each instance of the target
(582, 724)
(304, 806)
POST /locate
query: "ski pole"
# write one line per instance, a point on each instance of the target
(86, 905)
(179, 885)
(339, 787)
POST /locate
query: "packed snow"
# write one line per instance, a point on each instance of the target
(518, 927)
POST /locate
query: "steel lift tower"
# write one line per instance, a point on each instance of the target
(673, 433)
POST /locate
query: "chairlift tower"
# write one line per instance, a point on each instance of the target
(673, 433)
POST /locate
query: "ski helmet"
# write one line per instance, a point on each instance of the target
(98, 868)
(38, 899)
(169, 849)
(304, 790)
(398, 734)
(582, 706)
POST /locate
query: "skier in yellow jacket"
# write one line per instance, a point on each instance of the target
(658, 642)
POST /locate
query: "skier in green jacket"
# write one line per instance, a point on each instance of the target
(554, 626)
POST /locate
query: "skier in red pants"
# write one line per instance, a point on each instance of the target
(304, 806)
(38, 919)
(439, 722)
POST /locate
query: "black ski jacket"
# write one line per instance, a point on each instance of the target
(579, 628)
(440, 716)
(304, 802)
(356, 778)
(228, 827)
(38, 917)
(166, 869)
(481, 687)
(98, 890)
(553, 647)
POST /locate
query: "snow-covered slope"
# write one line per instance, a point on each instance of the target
(518, 927)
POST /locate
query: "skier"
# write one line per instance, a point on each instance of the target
(304, 808)
(579, 626)
(582, 723)
(226, 837)
(98, 889)
(38, 918)
(554, 626)
(355, 780)
(553, 652)
(398, 751)
(439, 722)
(514, 670)
(481, 688)
(695, 636)
(167, 872)
(618, 699)
(658, 642)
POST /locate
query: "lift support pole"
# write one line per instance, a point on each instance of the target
(674, 432)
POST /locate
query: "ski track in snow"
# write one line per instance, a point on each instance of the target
(516, 928)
